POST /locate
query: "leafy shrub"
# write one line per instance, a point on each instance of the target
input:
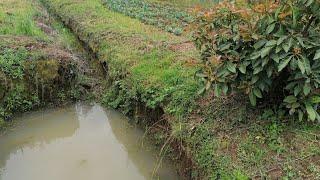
(268, 51)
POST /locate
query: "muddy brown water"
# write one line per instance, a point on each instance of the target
(78, 142)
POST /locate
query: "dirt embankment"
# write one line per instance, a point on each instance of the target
(36, 66)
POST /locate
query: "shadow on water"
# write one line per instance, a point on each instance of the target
(77, 142)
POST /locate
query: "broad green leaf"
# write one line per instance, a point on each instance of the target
(257, 92)
(296, 90)
(265, 51)
(292, 111)
(295, 105)
(306, 88)
(259, 44)
(309, 2)
(295, 14)
(306, 63)
(242, 68)
(283, 63)
(301, 66)
(202, 90)
(317, 116)
(271, 43)
(286, 46)
(254, 79)
(315, 99)
(311, 112)
(290, 85)
(270, 28)
(257, 70)
(253, 99)
(300, 115)
(225, 47)
(290, 99)
(293, 63)
(317, 55)
(291, 40)
(255, 55)
(278, 49)
(300, 41)
(217, 90)
(231, 67)
(280, 40)
(275, 57)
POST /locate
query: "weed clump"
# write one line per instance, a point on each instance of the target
(31, 77)
(268, 51)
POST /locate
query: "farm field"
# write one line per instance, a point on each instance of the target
(141, 58)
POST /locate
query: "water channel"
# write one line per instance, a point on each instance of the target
(78, 142)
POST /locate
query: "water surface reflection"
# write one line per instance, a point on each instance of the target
(77, 142)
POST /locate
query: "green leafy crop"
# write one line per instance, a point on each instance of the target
(168, 18)
(269, 51)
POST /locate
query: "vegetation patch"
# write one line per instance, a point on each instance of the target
(229, 139)
(268, 51)
(32, 73)
(166, 17)
(141, 67)
(17, 18)
(35, 68)
(187, 4)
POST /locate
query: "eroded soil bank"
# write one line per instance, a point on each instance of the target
(39, 62)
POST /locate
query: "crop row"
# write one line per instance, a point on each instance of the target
(163, 16)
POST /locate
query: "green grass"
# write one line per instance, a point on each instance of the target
(17, 18)
(252, 142)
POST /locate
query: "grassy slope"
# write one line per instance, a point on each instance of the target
(136, 53)
(32, 53)
(223, 136)
(16, 18)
